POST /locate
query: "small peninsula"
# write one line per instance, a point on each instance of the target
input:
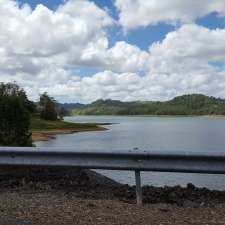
(43, 130)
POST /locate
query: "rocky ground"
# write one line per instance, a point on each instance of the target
(71, 196)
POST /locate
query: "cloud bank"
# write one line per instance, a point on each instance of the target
(135, 13)
(38, 46)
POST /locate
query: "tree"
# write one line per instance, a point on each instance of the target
(14, 116)
(62, 112)
(48, 107)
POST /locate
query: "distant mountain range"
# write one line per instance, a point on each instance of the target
(71, 106)
(193, 104)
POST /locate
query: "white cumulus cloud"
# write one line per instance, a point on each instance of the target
(38, 46)
(135, 13)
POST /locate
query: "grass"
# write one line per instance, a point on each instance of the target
(38, 124)
(44, 130)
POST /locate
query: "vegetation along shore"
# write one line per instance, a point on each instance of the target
(23, 121)
(43, 130)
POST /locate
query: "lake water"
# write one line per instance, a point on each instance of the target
(151, 133)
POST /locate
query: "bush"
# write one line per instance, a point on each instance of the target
(14, 116)
(48, 105)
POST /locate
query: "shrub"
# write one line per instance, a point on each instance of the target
(14, 116)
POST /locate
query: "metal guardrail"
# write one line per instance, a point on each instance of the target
(191, 162)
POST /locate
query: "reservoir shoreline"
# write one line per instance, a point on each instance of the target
(47, 135)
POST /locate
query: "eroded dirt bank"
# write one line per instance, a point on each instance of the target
(51, 134)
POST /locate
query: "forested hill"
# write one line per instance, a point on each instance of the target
(194, 104)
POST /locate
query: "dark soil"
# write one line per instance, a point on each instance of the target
(88, 184)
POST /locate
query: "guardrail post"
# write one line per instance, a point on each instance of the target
(138, 187)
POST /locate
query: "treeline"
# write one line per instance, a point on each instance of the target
(16, 111)
(193, 104)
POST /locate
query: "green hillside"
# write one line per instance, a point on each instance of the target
(194, 104)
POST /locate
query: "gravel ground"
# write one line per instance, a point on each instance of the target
(31, 196)
(57, 208)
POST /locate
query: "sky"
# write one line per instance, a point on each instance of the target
(129, 50)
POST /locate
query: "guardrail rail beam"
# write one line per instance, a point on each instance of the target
(169, 161)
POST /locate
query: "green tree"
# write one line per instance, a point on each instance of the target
(14, 116)
(62, 112)
(48, 107)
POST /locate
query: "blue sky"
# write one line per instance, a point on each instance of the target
(127, 50)
(52, 4)
(143, 37)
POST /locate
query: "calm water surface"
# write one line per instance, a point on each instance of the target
(151, 133)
